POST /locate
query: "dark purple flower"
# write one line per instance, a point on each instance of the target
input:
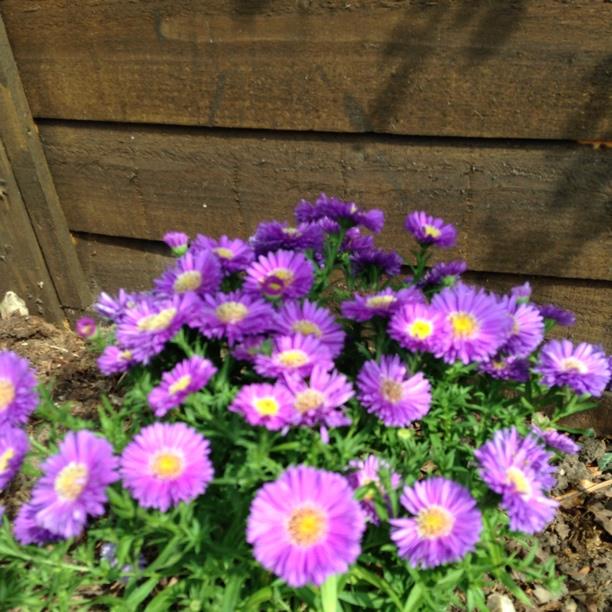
(274, 235)
(234, 255)
(388, 262)
(527, 331)
(28, 531)
(115, 360)
(356, 242)
(177, 241)
(556, 440)
(445, 273)
(507, 368)
(342, 212)
(430, 230)
(13, 448)
(197, 271)
(560, 316)
(383, 303)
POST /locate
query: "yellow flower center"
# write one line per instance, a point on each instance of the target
(306, 526)
(5, 457)
(188, 281)
(420, 329)
(71, 481)
(157, 322)
(168, 464)
(308, 328)
(311, 399)
(293, 358)
(231, 312)
(434, 522)
(224, 252)
(431, 231)
(391, 390)
(380, 301)
(516, 328)
(180, 384)
(7, 393)
(517, 477)
(266, 406)
(126, 355)
(569, 364)
(464, 324)
(290, 231)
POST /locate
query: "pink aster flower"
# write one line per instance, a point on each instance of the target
(18, 396)
(583, 368)
(73, 486)
(166, 464)
(555, 439)
(418, 327)
(177, 241)
(13, 448)
(446, 523)
(198, 271)
(187, 377)
(295, 354)
(310, 319)
(85, 327)
(518, 469)
(280, 274)
(368, 473)
(270, 406)
(235, 315)
(430, 230)
(386, 391)
(305, 526)
(527, 331)
(233, 254)
(115, 360)
(383, 303)
(28, 531)
(478, 324)
(320, 399)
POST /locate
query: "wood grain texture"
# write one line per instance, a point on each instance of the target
(22, 266)
(520, 68)
(28, 164)
(537, 209)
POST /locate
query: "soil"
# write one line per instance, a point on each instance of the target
(580, 538)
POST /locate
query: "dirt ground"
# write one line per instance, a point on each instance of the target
(580, 537)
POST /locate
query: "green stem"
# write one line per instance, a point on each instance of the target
(329, 594)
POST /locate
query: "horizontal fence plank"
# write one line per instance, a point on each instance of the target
(113, 263)
(540, 209)
(520, 69)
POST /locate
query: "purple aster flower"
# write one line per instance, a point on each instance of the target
(446, 523)
(386, 391)
(337, 210)
(445, 273)
(18, 396)
(177, 241)
(85, 327)
(28, 531)
(383, 303)
(430, 230)
(310, 319)
(521, 293)
(113, 308)
(527, 330)
(418, 327)
(187, 377)
(280, 274)
(368, 472)
(74, 483)
(478, 324)
(166, 464)
(306, 526)
(584, 368)
(145, 328)
(235, 315)
(518, 469)
(356, 242)
(555, 439)
(115, 360)
(250, 347)
(320, 399)
(507, 368)
(560, 316)
(295, 354)
(197, 271)
(388, 262)
(270, 406)
(274, 235)
(13, 448)
(233, 254)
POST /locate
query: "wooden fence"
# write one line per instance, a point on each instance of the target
(212, 116)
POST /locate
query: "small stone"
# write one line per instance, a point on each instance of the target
(543, 596)
(500, 603)
(569, 606)
(11, 305)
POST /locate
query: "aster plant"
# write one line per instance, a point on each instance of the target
(307, 421)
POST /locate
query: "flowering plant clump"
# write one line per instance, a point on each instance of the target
(308, 422)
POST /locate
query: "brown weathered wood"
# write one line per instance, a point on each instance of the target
(22, 266)
(520, 68)
(536, 209)
(26, 156)
(111, 263)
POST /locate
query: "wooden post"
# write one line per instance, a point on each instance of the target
(25, 155)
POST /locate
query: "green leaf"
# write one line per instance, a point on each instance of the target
(514, 588)
(414, 599)
(138, 595)
(363, 574)
(329, 594)
(231, 594)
